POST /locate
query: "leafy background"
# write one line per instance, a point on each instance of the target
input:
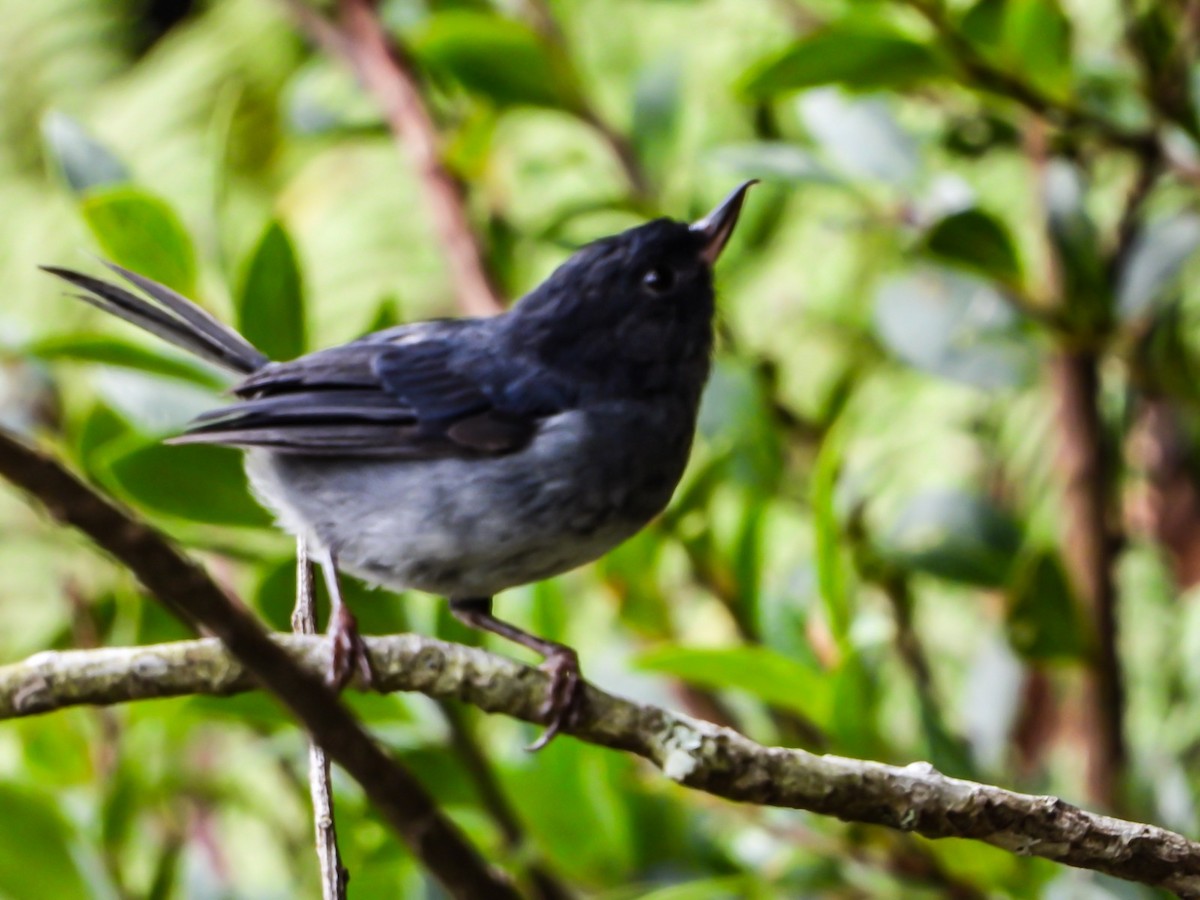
(872, 552)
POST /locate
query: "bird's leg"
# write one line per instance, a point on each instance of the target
(561, 664)
(349, 651)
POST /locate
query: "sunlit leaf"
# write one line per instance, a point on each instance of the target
(99, 349)
(763, 673)
(36, 858)
(1010, 33)
(827, 533)
(592, 836)
(848, 53)
(197, 482)
(1039, 30)
(498, 58)
(271, 300)
(656, 114)
(100, 426)
(141, 232)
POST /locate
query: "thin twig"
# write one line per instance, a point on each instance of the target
(187, 591)
(692, 753)
(388, 75)
(334, 876)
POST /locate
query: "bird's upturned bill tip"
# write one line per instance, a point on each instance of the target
(718, 225)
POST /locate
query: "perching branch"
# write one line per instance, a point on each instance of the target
(696, 754)
(187, 591)
(387, 74)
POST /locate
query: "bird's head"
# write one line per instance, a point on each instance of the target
(634, 309)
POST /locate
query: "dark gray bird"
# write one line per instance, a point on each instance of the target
(462, 457)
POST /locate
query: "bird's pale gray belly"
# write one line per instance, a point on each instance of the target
(470, 527)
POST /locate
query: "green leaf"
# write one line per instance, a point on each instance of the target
(761, 672)
(631, 574)
(983, 24)
(974, 240)
(831, 572)
(270, 304)
(1043, 614)
(954, 535)
(193, 481)
(36, 859)
(100, 427)
(591, 838)
(1039, 30)
(497, 58)
(83, 161)
(1012, 33)
(141, 232)
(99, 349)
(846, 53)
(656, 114)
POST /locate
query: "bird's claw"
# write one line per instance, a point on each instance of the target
(349, 652)
(564, 696)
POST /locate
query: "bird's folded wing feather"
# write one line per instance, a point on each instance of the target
(375, 398)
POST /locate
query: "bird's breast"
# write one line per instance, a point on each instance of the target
(474, 526)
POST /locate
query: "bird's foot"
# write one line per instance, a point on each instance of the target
(564, 697)
(349, 651)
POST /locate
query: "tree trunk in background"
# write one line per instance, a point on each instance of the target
(1089, 553)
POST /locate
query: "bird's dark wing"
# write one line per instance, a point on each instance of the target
(411, 398)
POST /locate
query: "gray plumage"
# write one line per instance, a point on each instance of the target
(466, 456)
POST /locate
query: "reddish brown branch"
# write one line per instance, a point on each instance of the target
(1090, 554)
(186, 589)
(388, 75)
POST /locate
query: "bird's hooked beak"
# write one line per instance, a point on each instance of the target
(718, 225)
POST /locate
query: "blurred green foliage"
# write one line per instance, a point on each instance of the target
(867, 555)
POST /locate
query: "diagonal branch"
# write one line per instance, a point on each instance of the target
(186, 590)
(696, 754)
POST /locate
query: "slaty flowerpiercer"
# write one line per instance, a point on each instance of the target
(465, 456)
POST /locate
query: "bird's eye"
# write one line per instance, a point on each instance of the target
(659, 279)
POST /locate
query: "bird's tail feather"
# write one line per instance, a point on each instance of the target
(169, 315)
